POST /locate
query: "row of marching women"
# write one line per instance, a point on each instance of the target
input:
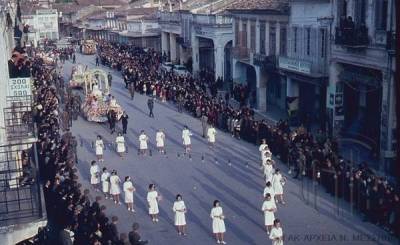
(73, 218)
(307, 155)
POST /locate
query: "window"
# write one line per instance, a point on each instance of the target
(237, 34)
(244, 34)
(262, 37)
(295, 39)
(253, 35)
(323, 42)
(360, 10)
(381, 9)
(272, 40)
(283, 41)
(308, 48)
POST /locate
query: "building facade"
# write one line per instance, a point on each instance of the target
(305, 65)
(361, 76)
(260, 37)
(43, 23)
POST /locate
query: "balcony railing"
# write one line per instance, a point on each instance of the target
(170, 17)
(18, 118)
(241, 53)
(352, 36)
(262, 60)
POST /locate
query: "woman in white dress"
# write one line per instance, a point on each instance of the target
(276, 234)
(120, 141)
(143, 139)
(105, 182)
(152, 200)
(179, 209)
(218, 224)
(277, 183)
(99, 148)
(114, 187)
(269, 189)
(95, 175)
(268, 170)
(186, 139)
(211, 133)
(129, 190)
(160, 141)
(263, 149)
(269, 208)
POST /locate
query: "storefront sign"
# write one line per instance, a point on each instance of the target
(19, 86)
(295, 65)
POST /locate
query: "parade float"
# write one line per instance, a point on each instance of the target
(77, 76)
(97, 104)
(89, 47)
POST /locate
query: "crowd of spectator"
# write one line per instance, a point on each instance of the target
(307, 155)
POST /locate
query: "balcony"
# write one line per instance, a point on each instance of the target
(264, 61)
(241, 53)
(351, 36)
(170, 17)
(18, 118)
(310, 67)
(212, 19)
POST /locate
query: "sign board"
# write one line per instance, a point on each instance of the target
(330, 98)
(19, 86)
(295, 65)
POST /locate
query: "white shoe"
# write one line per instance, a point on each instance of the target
(129, 209)
(133, 210)
(156, 220)
(223, 242)
(218, 242)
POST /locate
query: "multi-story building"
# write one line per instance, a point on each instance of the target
(361, 96)
(305, 66)
(260, 32)
(42, 22)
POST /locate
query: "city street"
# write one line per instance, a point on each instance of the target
(239, 185)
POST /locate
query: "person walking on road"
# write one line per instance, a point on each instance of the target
(150, 104)
(179, 209)
(128, 191)
(268, 208)
(152, 200)
(120, 142)
(95, 175)
(132, 89)
(97, 61)
(218, 223)
(115, 190)
(73, 59)
(278, 181)
(109, 78)
(112, 118)
(124, 121)
(186, 139)
(276, 234)
(204, 124)
(160, 141)
(143, 139)
(99, 145)
(105, 182)
(211, 133)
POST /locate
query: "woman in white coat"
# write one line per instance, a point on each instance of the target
(128, 191)
(179, 209)
(105, 182)
(186, 139)
(115, 190)
(95, 175)
(269, 208)
(263, 149)
(120, 142)
(268, 170)
(276, 234)
(218, 223)
(99, 145)
(278, 181)
(143, 139)
(211, 133)
(152, 200)
(160, 141)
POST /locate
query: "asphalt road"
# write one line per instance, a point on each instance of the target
(239, 186)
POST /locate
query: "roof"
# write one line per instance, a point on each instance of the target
(66, 8)
(101, 2)
(30, 9)
(274, 5)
